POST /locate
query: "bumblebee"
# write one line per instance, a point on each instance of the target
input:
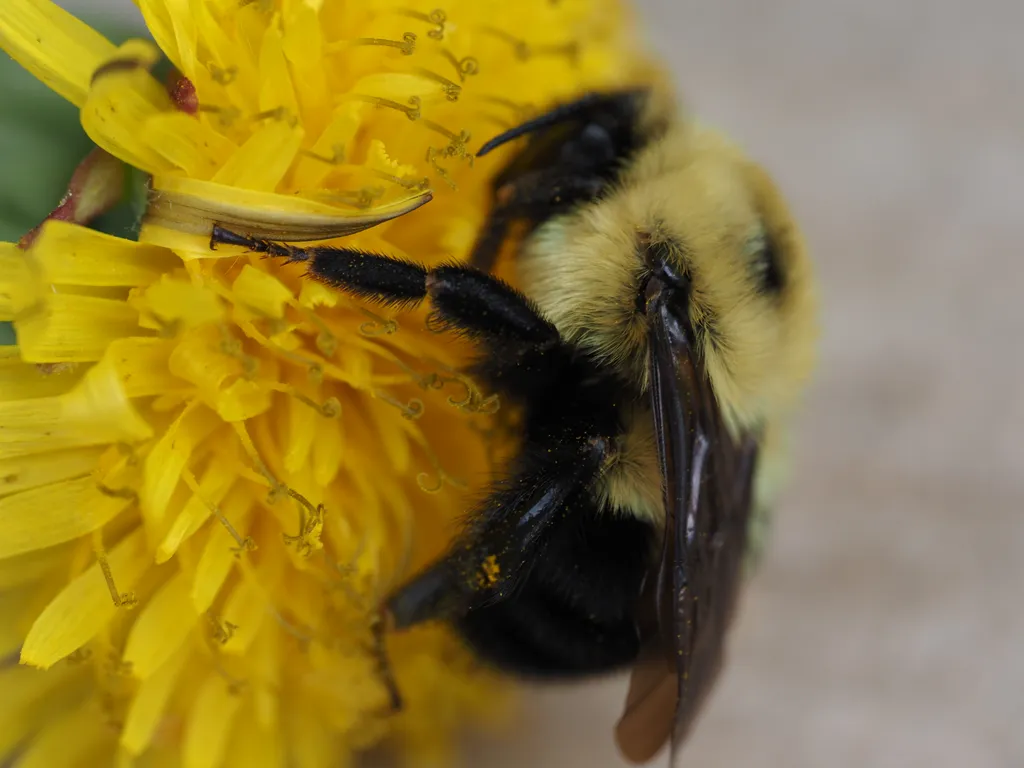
(662, 332)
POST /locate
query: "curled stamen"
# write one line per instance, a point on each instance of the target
(337, 156)
(121, 599)
(457, 141)
(423, 381)
(327, 343)
(442, 478)
(329, 408)
(432, 154)
(407, 45)
(235, 685)
(316, 369)
(378, 326)
(222, 76)
(520, 47)
(277, 113)
(226, 116)
(78, 656)
(423, 480)
(466, 66)
(451, 90)
(311, 526)
(304, 637)
(115, 666)
(246, 544)
(570, 50)
(474, 401)
(411, 410)
(117, 493)
(232, 347)
(412, 111)
(416, 185)
(437, 17)
(221, 631)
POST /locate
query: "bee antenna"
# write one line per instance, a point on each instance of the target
(554, 116)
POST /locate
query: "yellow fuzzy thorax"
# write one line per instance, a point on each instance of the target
(694, 190)
(212, 470)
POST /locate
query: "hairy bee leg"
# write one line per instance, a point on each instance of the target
(485, 563)
(464, 299)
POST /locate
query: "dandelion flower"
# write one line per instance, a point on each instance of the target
(212, 470)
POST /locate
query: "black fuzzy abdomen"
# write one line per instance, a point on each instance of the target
(573, 612)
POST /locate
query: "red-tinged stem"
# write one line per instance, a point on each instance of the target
(96, 186)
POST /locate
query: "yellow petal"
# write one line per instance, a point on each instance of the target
(53, 45)
(162, 472)
(75, 733)
(191, 206)
(85, 606)
(121, 102)
(246, 609)
(263, 160)
(213, 487)
(163, 625)
(22, 381)
(310, 746)
(218, 556)
(31, 566)
(14, 274)
(14, 607)
(19, 473)
(242, 400)
(267, 678)
(254, 746)
(190, 144)
(302, 429)
(327, 453)
(31, 698)
(178, 302)
(303, 45)
(344, 123)
(183, 50)
(95, 412)
(142, 366)
(261, 292)
(76, 255)
(71, 328)
(55, 513)
(149, 703)
(210, 724)
(276, 91)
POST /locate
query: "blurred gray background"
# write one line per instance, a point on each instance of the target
(885, 627)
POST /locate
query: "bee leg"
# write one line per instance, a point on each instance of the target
(465, 300)
(485, 563)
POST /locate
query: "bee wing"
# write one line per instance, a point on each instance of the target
(688, 602)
